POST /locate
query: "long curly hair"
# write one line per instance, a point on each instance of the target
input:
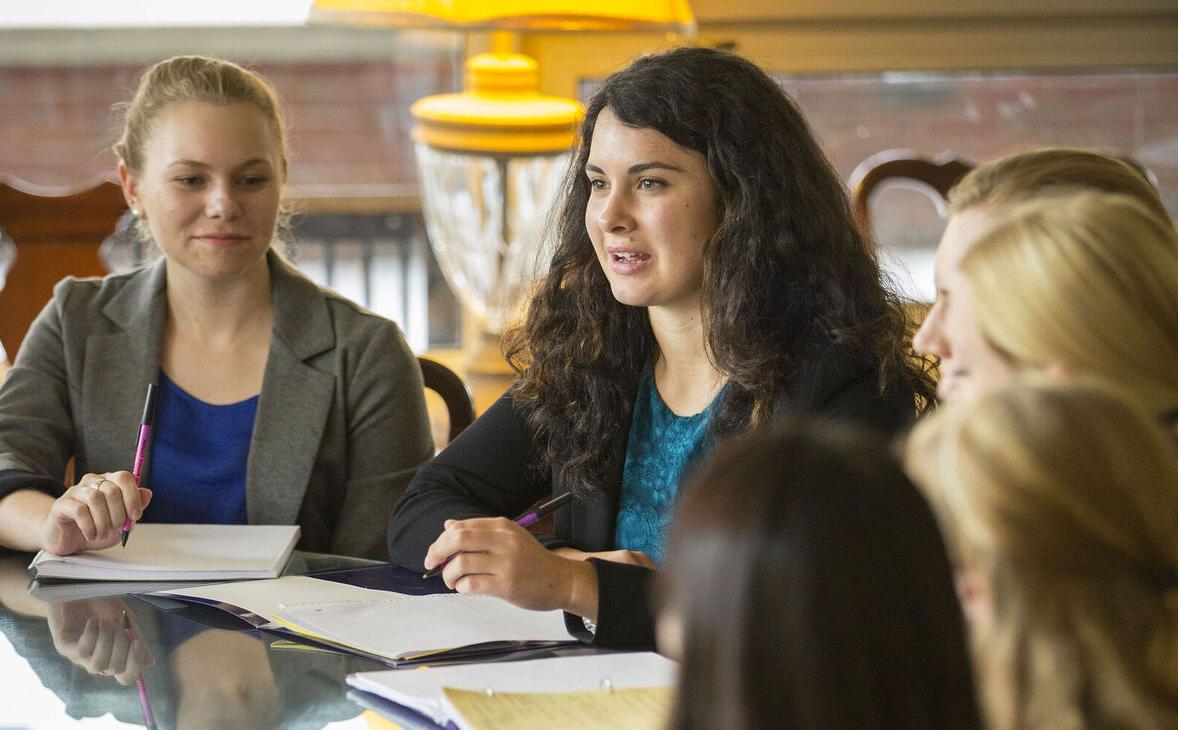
(785, 270)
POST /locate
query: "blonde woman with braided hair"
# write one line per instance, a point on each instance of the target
(1058, 503)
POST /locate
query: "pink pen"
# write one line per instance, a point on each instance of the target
(530, 517)
(141, 448)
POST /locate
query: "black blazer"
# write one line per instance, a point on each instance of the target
(488, 471)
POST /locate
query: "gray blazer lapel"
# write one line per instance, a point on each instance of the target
(295, 402)
(118, 367)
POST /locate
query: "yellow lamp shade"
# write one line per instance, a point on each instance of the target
(501, 111)
(510, 14)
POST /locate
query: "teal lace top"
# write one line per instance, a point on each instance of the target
(661, 447)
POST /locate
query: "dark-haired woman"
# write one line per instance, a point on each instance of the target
(812, 591)
(707, 277)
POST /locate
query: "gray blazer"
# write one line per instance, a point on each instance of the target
(341, 424)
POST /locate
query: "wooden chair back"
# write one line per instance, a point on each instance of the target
(454, 392)
(56, 234)
(938, 176)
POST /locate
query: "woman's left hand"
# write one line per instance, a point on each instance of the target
(496, 557)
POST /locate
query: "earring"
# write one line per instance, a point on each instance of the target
(135, 212)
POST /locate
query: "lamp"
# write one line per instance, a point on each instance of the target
(515, 15)
(491, 160)
(492, 157)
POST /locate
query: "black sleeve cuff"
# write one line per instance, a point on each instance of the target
(14, 480)
(625, 618)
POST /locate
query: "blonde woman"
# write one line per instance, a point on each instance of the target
(981, 197)
(1081, 283)
(279, 402)
(1059, 506)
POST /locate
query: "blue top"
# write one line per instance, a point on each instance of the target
(662, 446)
(198, 458)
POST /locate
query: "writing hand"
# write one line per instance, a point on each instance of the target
(496, 557)
(90, 515)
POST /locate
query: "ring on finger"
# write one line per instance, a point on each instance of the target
(97, 483)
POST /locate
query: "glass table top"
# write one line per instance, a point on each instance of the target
(69, 658)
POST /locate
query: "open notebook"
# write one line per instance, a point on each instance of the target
(179, 552)
(392, 628)
(637, 685)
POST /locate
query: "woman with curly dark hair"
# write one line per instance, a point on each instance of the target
(707, 277)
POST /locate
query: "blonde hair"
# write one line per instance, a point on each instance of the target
(1026, 174)
(194, 78)
(1064, 494)
(1087, 280)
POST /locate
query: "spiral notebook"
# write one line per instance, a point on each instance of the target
(166, 552)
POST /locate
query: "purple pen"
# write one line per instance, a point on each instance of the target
(141, 447)
(530, 517)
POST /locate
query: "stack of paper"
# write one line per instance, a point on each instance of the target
(627, 690)
(179, 552)
(637, 708)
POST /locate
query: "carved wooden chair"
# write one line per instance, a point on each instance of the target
(454, 393)
(56, 233)
(937, 176)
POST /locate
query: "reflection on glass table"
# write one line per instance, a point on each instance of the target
(65, 655)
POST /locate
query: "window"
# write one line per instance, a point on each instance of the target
(979, 117)
(357, 228)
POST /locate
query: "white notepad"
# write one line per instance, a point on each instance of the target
(179, 552)
(421, 690)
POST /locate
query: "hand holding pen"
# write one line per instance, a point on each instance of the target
(89, 514)
(497, 557)
(528, 518)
